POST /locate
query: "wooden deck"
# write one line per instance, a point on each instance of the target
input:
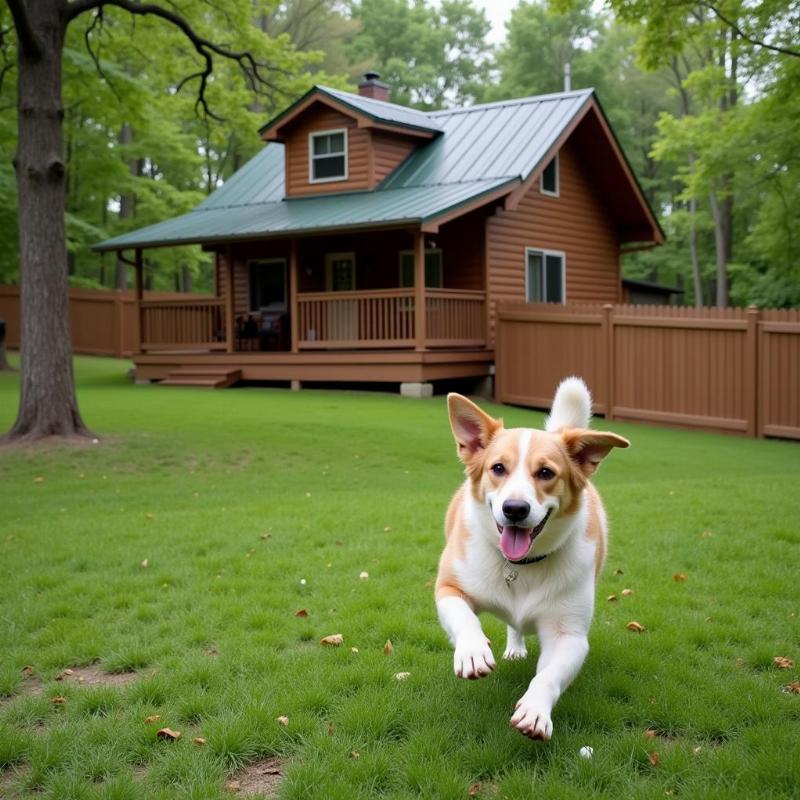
(369, 366)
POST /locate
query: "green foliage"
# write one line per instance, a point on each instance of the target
(192, 479)
(431, 55)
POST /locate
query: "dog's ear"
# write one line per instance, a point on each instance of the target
(473, 429)
(588, 448)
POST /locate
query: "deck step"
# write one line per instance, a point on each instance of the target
(210, 377)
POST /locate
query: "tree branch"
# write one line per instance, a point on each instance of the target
(28, 41)
(252, 69)
(737, 30)
(98, 20)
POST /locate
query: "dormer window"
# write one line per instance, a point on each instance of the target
(549, 182)
(328, 156)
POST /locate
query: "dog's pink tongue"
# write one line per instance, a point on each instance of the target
(515, 542)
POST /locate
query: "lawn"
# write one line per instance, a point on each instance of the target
(180, 547)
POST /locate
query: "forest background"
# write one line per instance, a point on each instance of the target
(704, 97)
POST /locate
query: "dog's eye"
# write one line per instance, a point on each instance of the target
(544, 474)
(498, 469)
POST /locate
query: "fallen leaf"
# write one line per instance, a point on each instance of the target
(388, 648)
(782, 662)
(650, 734)
(168, 734)
(330, 729)
(301, 612)
(635, 626)
(355, 754)
(282, 721)
(696, 750)
(38, 479)
(793, 687)
(363, 575)
(618, 572)
(627, 592)
(27, 671)
(353, 649)
(152, 718)
(387, 528)
(612, 598)
(58, 701)
(654, 759)
(145, 564)
(474, 790)
(401, 676)
(652, 700)
(739, 662)
(233, 786)
(334, 640)
(679, 577)
(149, 515)
(339, 543)
(266, 535)
(199, 741)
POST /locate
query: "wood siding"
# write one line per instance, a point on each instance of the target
(389, 151)
(322, 118)
(731, 369)
(575, 223)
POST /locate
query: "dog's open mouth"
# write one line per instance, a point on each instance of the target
(515, 542)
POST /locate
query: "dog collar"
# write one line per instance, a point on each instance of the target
(531, 560)
(510, 574)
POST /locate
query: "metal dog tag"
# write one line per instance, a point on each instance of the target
(509, 573)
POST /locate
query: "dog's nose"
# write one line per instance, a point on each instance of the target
(516, 510)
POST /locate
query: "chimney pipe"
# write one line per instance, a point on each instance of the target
(372, 86)
(567, 77)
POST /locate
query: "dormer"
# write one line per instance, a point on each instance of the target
(340, 142)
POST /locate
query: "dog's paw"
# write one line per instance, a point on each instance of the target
(473, 658)
(515, 653)
(532, 719)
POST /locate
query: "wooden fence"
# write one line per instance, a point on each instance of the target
(735, 370)
(102, 323)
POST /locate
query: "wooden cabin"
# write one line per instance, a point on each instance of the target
(372, 242)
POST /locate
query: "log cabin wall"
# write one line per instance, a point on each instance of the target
(575, 223)
(389, 151)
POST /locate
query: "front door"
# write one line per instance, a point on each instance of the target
(340, 276)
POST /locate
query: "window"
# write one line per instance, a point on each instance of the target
(327, 156)
(340, 272)
(549, 181)
(267, 283)
(433, 269)
(545, 276)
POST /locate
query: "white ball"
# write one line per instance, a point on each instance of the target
(302, 581)
(586, 751)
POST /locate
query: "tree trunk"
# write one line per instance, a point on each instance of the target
(127, 205)
(722, 211)
(48, 406)
(696, 277)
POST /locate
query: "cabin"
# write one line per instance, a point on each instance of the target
(371, 242)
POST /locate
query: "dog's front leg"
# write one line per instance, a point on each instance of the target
(473, 656)
(562, 655)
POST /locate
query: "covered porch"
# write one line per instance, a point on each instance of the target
(391, 305)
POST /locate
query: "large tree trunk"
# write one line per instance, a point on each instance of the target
(48, 405)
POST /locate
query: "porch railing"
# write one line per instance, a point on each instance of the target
(386, 318)
(197, 324)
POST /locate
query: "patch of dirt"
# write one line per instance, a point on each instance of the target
(93, 675)
(50, 443)
(9, 777)
(259, 779)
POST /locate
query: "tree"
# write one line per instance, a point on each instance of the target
(48, 405)
(430, 55)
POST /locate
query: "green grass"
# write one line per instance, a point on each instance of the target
(344, 482)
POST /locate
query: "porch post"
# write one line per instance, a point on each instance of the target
(229, 305)
(420, 331)
(139, 265)
(294, 320)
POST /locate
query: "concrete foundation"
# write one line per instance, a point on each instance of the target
(416, 390)
(296, 386)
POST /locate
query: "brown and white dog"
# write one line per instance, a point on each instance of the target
(526, 539)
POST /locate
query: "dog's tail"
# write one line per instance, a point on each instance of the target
(572, 406)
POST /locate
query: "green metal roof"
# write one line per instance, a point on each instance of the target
(478, 151)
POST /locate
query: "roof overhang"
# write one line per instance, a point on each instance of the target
(275, 129)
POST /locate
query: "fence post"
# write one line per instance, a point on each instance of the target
(119, 325)
(608, 345)
(752, 384)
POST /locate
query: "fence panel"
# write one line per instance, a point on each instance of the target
(735, 370)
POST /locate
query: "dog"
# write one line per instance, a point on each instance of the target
(525, 540)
